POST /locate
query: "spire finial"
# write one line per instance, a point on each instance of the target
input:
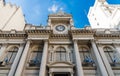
(60, 12)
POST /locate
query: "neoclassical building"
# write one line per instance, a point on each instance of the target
(58, 49)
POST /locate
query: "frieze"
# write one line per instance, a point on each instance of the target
(13, 35)
(81, 31)
(38, 31)
(38, 37)
(60, 36)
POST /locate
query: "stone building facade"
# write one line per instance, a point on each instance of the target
(104, 15)
(59, 49)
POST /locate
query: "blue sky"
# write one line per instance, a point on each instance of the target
(36, 11)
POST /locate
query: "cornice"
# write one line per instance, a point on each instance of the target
(82, 31)
(7, 34)
(38, 31)
(107, 36)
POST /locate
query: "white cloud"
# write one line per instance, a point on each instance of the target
(53, 8)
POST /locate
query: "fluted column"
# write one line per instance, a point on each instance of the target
(44, 59)
(78, 60)
(99, 60)
(22, 60)
(16, 61)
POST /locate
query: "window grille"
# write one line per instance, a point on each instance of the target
(61, 54)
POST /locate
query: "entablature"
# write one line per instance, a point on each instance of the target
(60, 36)
(38, 34)
(107, 36)
(12, 35)
(82, 34)
(107, 41)
(43, 31)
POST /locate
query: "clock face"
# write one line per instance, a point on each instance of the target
(60, 28)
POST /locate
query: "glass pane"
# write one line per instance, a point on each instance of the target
(39, 56)
(60, 54)
(13, 57)
(63, 56)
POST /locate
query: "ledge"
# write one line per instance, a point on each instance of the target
(32, 68)
(89, 68)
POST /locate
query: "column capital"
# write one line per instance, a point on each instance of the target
(75, 41)
(46, 40)
(21, 44)
(92, 40)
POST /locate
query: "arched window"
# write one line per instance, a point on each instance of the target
(11, 54)
(112, 56)
(85, 56)
(61, 54)
(36, 56)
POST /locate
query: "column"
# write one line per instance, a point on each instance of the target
(71, 74)
(99, 60)
(78, 60)
(22, 60)
(44, 59)
(2, 50)
(16, 61)
(50, 74)
(105, 60)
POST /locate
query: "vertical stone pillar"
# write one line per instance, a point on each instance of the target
(22, 60)
(50, 74)
(16, 61)
(2, 50)
(71, 74)
(44, 59)
(105, 60)
(78, 60)
(99, 60)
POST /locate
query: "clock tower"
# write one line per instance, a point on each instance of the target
(60, 22)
